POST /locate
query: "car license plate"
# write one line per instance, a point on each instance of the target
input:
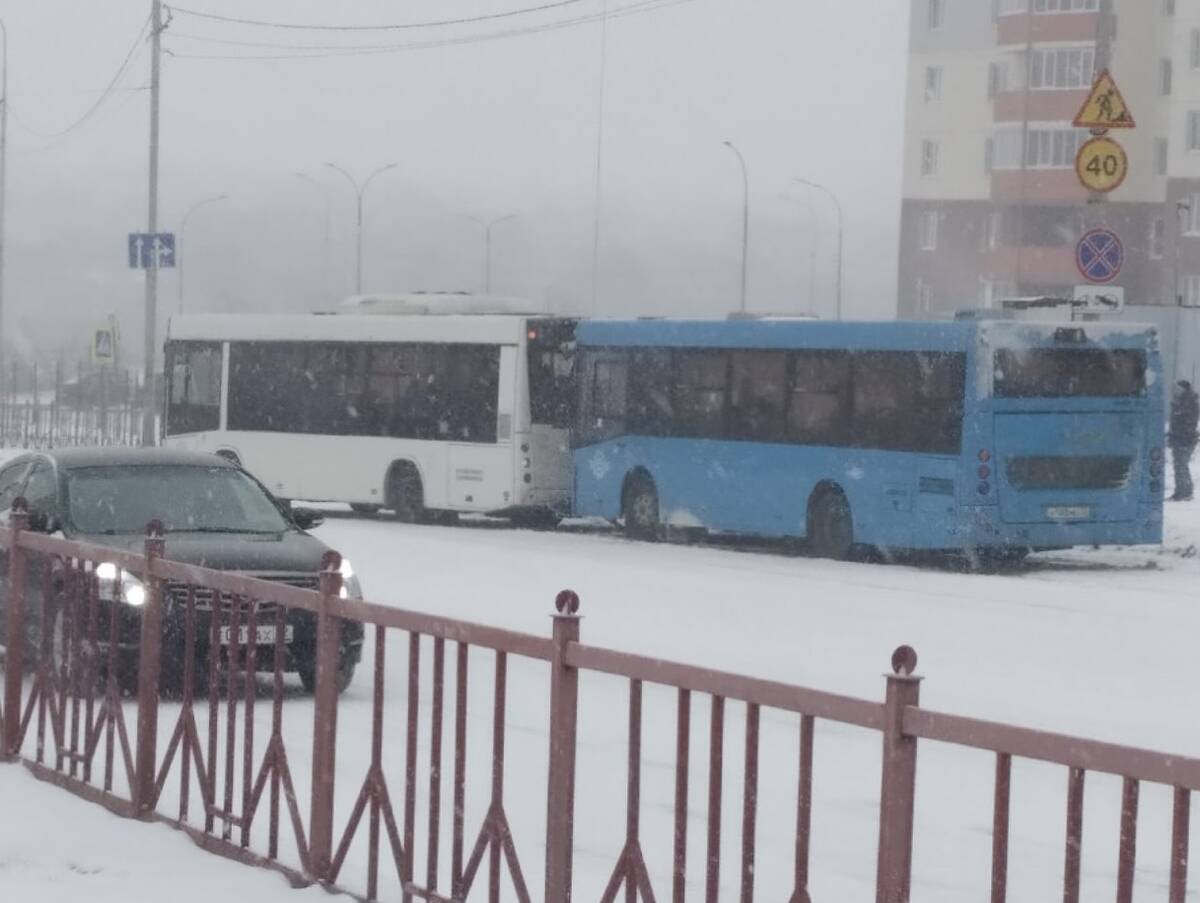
(1069, 512)
(264, 634)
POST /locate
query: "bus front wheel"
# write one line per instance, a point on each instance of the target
(830, 525)
(640, 509)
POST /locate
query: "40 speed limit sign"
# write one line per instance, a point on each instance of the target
(1101, 165)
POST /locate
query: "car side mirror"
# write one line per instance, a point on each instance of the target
(42, 522)
(307, 518)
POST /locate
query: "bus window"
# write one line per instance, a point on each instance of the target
(908, 401)
(819, 402)
(756, 395)
(551, 357)
(1069, 373)
(194, 387)
(700, 382)
(651, 411)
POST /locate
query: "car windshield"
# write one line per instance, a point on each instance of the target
(185, 498)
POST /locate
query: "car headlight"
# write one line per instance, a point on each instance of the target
(132, 590)
(351, 588)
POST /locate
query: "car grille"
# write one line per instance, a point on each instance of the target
(1094, 472)
(178, 591)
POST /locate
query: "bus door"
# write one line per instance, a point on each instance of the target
(552, 399)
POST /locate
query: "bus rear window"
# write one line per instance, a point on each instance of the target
(1069, 373)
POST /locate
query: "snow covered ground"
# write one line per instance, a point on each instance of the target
(1098, 643)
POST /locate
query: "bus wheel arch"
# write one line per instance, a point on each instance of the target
(829, 522)
(640, 505)
(404, 491)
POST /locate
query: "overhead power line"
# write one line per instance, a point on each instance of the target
(108, 91)
(310, 52)
(437, 23)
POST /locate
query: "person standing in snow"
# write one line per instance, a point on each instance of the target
(1182, 436)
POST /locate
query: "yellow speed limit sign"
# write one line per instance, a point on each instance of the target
(1101, 165)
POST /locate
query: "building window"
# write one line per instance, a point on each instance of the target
(1193, 130)
(1160, 156)
(929, 158)
(1189, 214)
(927, 230)
(1043, 149)
(1168, 7)
(1194, 48)
(937, 14)
(1158, 238)
(1166, 74)
(1066, 6)
(997, 80)
(989, 154)
(924, 296)
(1062, 67)
(1191, 291)
(933, 83)
(1008, 7)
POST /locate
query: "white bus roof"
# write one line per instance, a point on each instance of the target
(469, 329)
(434, 304)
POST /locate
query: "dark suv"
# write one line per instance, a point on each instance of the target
(214, 515)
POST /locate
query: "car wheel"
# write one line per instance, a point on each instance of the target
(640, 510)
(358, 508)
(830, 526)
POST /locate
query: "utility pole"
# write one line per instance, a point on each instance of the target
(149, 409)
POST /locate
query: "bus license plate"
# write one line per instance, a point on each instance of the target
(264, 634)
(1069, 512)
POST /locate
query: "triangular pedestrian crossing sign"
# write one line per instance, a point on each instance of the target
(1105, 107)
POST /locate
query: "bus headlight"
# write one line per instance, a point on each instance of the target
(351, 588)
(113, 580)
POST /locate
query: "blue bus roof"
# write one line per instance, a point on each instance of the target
(900, 335)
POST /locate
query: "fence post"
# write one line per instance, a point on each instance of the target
(893, 879)
(14, 658)
(149, 668)
(560, 796)
(324, 760)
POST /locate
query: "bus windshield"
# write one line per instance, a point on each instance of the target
(1069, 373)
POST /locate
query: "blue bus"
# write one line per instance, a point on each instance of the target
(991, 437)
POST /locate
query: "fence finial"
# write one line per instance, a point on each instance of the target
(154, 529)
(904, 661)
(20, 505)
(331, 561)
(567, 602)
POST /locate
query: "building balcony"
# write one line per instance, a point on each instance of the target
(1038, 105)
(1042, 186)
(1020, 29)
(1031, 264)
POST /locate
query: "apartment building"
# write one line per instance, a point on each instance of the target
(992, 207)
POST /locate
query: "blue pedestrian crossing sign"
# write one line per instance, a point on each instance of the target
(1100, 255)
(151, 250)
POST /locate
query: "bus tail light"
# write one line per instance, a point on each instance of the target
(985, 488)
(1156, 454)
(984, 456)
(1156, 469)
(526, 463)
(1155, 487)
(984, 471)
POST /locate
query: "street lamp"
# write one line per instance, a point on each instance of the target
(745, 217)
(181, 252)
(359, 191)
(841, 235)
(812, 250)
(487, 226)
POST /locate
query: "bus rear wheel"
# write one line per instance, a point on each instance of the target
(640, 510)
(406, 494)
(830, 525)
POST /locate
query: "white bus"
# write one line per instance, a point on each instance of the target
(422, 405)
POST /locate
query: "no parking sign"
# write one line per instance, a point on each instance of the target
(1100, 255)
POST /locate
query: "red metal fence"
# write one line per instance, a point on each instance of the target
(71, 682)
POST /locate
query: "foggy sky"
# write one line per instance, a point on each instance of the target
(812, 89)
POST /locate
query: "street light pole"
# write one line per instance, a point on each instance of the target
(359, 191)
(841, 235)
(181, 250)
(149, 404)
(745, 218)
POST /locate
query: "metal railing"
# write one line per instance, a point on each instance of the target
(50, 408)
(69, 683)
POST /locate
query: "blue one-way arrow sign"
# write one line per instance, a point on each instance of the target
(147, 250)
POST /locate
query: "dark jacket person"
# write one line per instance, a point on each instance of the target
(1182, 436)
